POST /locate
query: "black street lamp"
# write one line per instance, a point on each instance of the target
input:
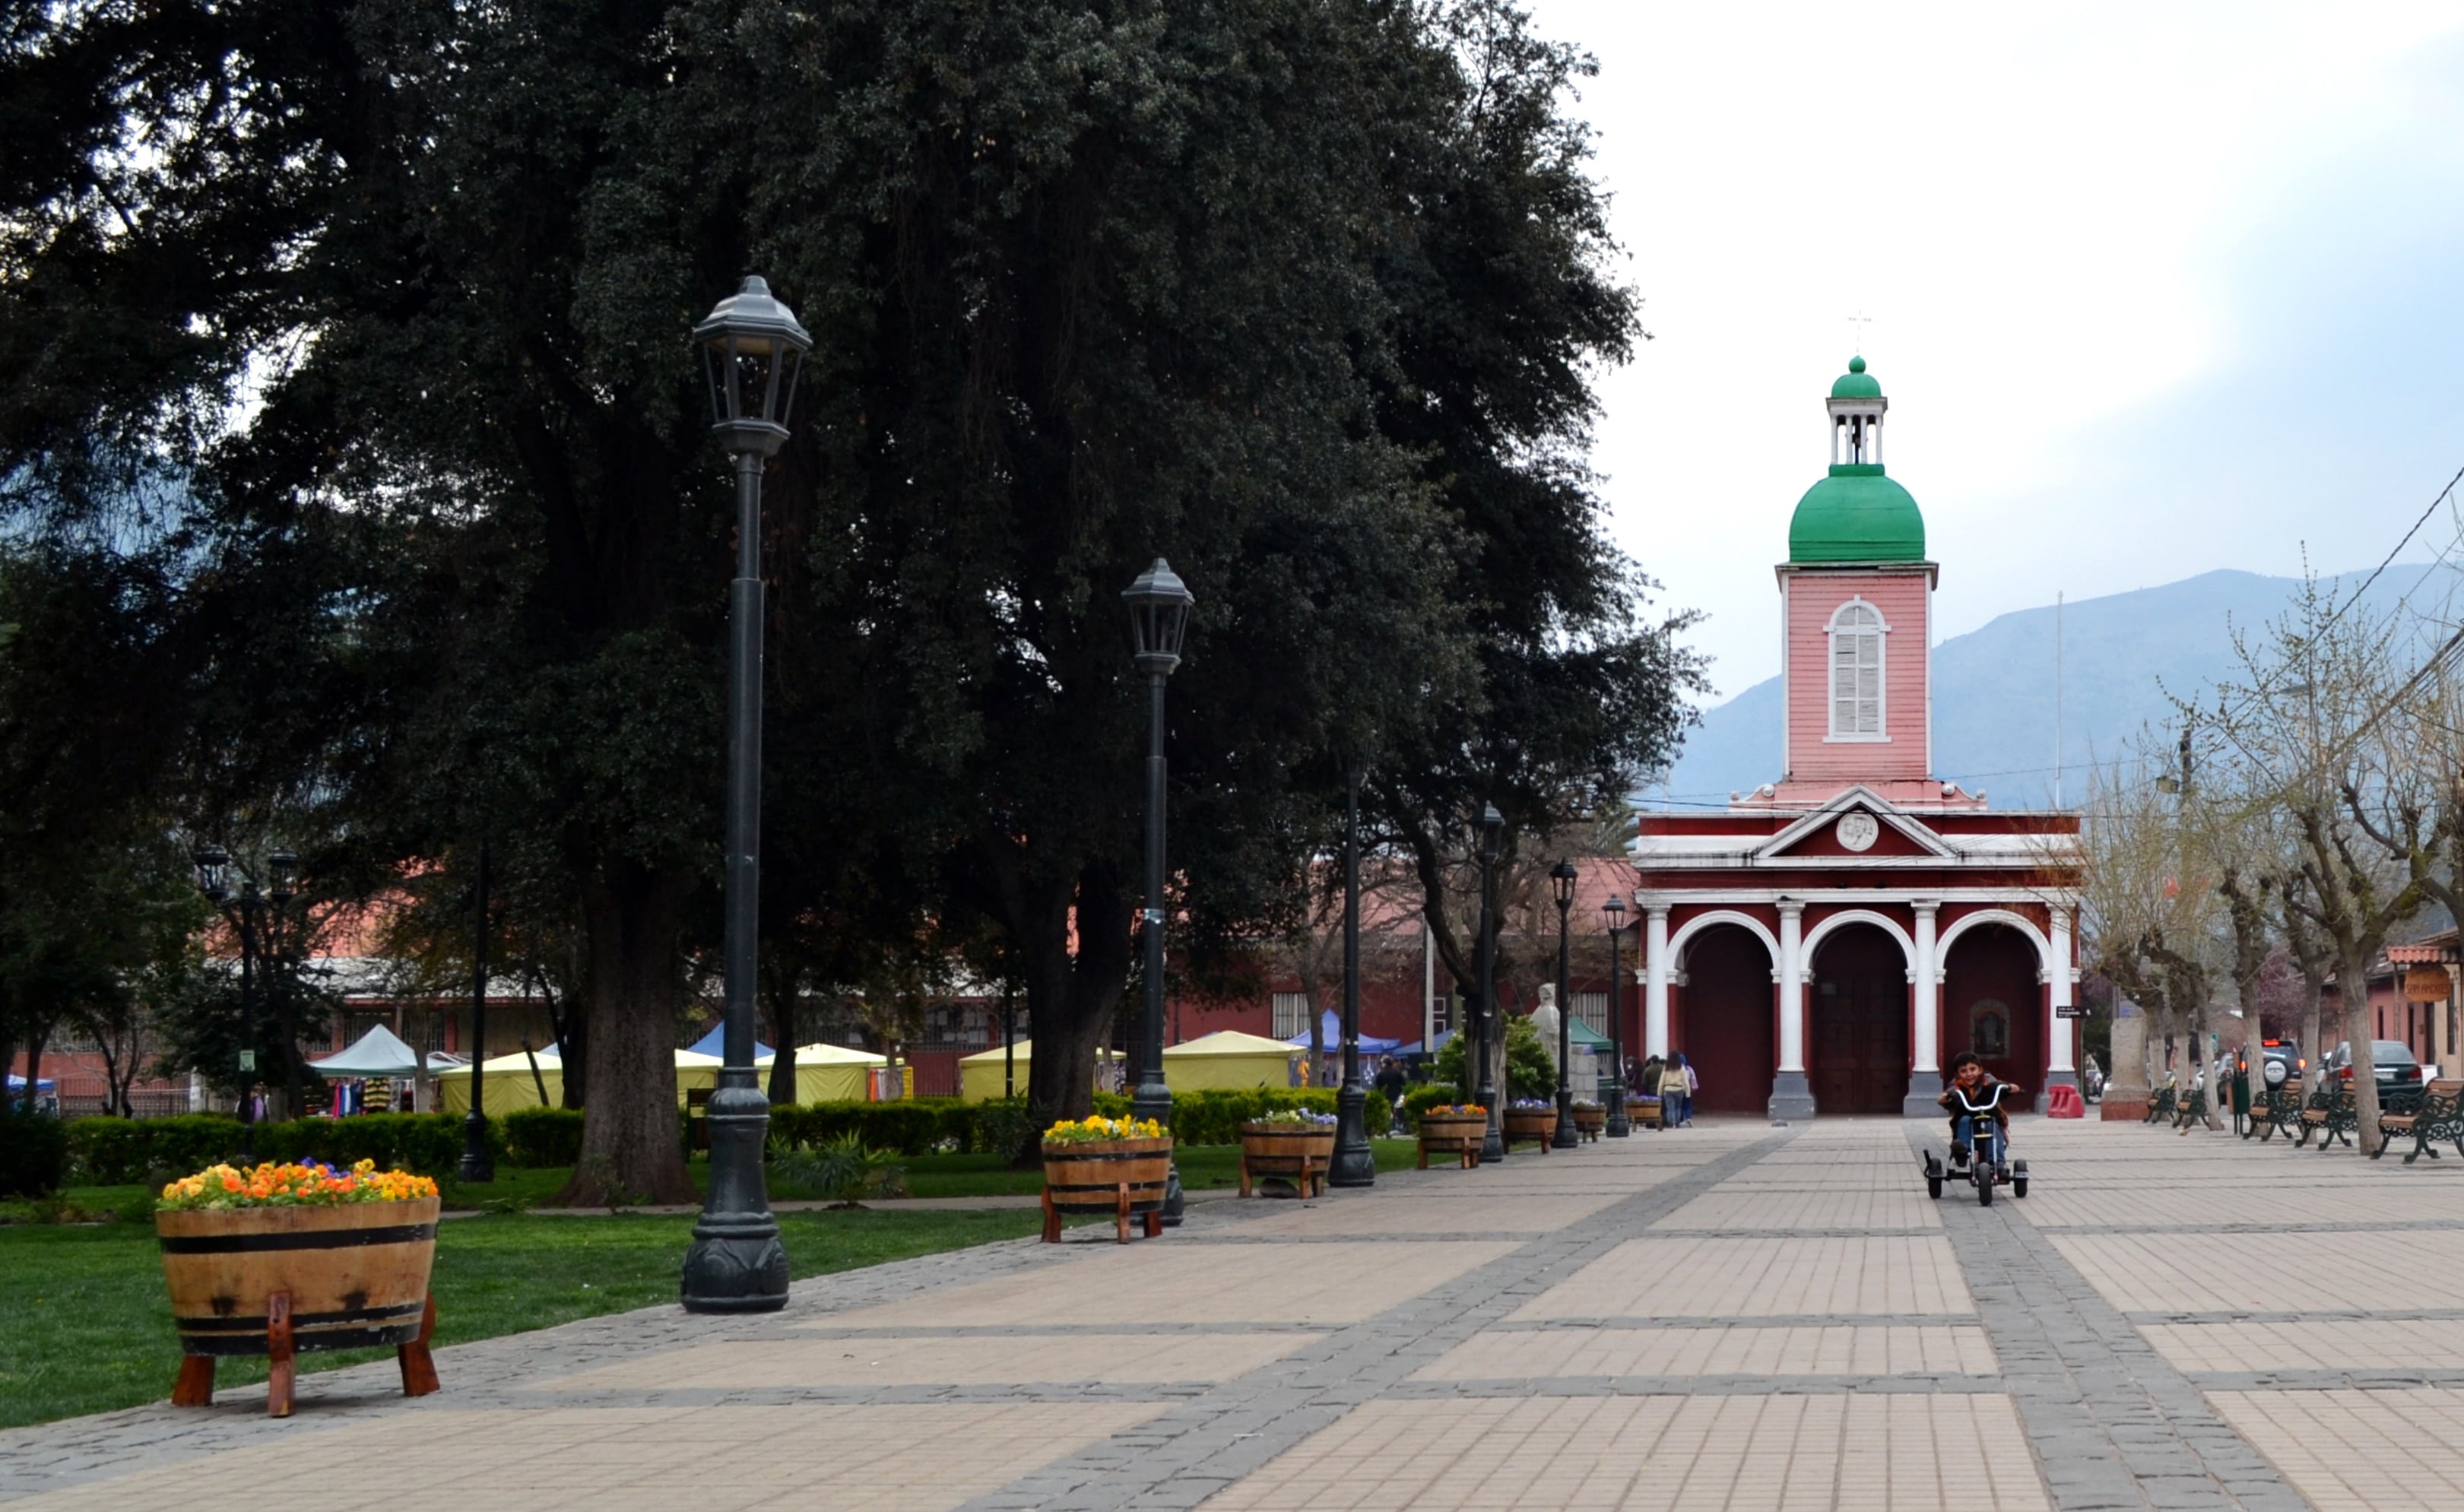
(1562, 877)
(754, 349)
(477, 1164)
(1492, 1145)
(256, 917)
(1618, 1126)
(1160, 604)
(1355, 1164)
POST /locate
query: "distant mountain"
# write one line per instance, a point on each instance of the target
(1993, 687)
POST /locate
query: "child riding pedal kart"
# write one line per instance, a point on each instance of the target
(1980, 1133)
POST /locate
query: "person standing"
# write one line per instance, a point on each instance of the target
(1389, 1087)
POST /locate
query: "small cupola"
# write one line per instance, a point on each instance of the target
(1856, 407)
(1857, 512)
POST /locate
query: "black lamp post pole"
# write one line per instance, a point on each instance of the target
(1492, 1145)
(737, 1264)
(1354, 1165)
(1160, 604)
(245, 920)
(1565, 1137)
(1618, 1126)
(477, 1164)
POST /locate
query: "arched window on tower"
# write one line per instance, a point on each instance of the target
(1857, 631)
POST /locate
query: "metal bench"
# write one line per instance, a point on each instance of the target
(2438, 1115)
(2277, 1111)
(2332, 1116)
(2161, 1106)
(2193, 1108)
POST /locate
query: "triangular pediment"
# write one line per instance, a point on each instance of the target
(1859, 825)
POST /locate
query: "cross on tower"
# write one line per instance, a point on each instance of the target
(1855, 324)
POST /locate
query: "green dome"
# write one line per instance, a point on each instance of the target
(1857, 382)
(1857, 515)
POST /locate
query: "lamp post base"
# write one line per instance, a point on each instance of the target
(737, 1264)
(1619, 1126)
(1355, 1164)
(1151, 1099)
(1565, 1137)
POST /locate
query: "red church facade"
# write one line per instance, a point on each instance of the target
(1827, 943)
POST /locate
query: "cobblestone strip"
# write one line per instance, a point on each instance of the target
(1187, 1454)
(2113, 1425)
(1585, 1386)
(1759, 1320)
(2372, 1226)
(2304, 1315)
(2355, 1379)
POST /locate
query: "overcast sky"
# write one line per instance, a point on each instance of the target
(2153, 290)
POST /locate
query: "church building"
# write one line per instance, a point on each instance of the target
(1827, 942)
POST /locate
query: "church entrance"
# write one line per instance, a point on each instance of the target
(1726, 1023)
(1990, 1004)
(1859, 1060)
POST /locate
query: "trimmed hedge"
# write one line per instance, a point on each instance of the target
(112, 1151)
(1421, 1099)
(923, 1125)
(33, 1154)
(543, 1137)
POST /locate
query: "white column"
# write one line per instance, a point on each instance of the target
(2058, 1029)
(1929, 980)
(1654, 982)
(1791, 989)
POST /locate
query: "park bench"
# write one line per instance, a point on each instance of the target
(2161, 1106)
(2330, 1114)
(2277, 1111)
(2438, 1114)
(2193, 1108)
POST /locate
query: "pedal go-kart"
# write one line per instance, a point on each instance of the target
(1974, 1162)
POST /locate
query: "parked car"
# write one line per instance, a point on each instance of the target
(2397, 1068)
(2284, 1061)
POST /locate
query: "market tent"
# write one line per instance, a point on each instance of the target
(1228, 1061)
(511, 1085)
(1330, 1038)
(379, 1052)
(833, 1073)
(714, 1045)
(979, 1075)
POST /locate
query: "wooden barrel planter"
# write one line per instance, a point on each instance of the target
(276, 1280)
(1118, 1177)
(1644, 1112)
(1539, 1124)
(1298, 1152)
(1457, 1135)
(1591, 1122)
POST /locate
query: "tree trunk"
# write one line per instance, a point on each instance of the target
(2315, 986)
(1072, 999)
(632, 1147)
(2353, 989)
(34, 1068)
(781, 987)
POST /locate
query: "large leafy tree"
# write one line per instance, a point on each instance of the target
(1299, 294)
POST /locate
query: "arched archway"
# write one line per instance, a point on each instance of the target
(1990, 1002)
(1727, 1024)
(1857, 1056)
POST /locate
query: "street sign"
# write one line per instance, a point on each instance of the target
(248, 1059)
(2071, 1010)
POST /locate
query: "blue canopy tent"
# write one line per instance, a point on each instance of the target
(1435, 1043)
(715, 1043)
(1330, 1038)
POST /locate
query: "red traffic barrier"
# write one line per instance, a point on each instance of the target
(2064, 1101)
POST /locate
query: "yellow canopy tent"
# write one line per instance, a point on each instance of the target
(511, 1085)
(979, 1075)
(1228, 1061)
(832, 1073)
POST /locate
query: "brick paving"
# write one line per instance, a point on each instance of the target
(1727, 1317)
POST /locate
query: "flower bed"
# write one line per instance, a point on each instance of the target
(1529, 1118)
(1454, 1129)
(1096, 1164)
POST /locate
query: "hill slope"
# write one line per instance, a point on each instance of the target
(1993, 687)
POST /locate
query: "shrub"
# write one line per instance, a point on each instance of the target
(33, 1154)
(1528, 1070)
(844, 1169)
(109, 1152)
(909, 1126)
(542, 1136)
(1421, 1099)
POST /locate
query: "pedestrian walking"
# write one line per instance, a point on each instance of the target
(1654, 1072)
(1677, 1084)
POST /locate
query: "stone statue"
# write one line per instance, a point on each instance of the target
(1544, 1019)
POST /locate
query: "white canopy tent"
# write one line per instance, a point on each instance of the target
(379, 1052)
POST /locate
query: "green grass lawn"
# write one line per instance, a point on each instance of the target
(89, 1328)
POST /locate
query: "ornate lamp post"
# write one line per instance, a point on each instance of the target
(1493, 1146)
(1618, 1126)
(754, 349)
(1562, 878)
(1160, 604)
(1355, 1164)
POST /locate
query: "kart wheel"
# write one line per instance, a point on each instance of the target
(2018, 1179)
(1984, 1185)
(1933, 1188)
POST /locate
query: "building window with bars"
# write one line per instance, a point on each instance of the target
(1857, 631)
(1291, 1015)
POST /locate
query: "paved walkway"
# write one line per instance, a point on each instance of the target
(1727, 1317)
